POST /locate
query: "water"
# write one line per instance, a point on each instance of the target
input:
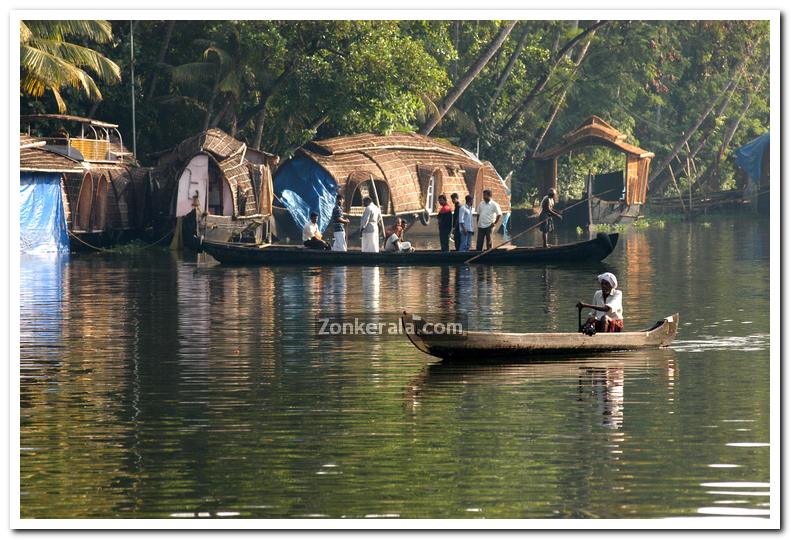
(157, 386)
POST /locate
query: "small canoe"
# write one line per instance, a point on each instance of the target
(239, 253)
(482, 346)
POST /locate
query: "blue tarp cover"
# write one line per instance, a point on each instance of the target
(750, 156)
(304, 187)
(42, 220)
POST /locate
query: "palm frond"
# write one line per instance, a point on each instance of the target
(24, 32)
(226, 61)
(103, 67)
(55, 72)
(97, 31)
(195, 72)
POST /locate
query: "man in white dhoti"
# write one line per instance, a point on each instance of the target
(369, 226)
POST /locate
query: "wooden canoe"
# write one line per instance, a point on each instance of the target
(535, 347)
(239, 253)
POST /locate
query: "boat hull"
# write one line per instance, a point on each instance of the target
(239, 253)
(535, 347)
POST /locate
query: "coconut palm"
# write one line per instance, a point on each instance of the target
(50, 62)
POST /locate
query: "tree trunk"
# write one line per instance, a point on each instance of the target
(223, 111)
(656, 185)
(468, 77)
(580, 59)
(526, 103)
(508, 69)
(163, 51)
(210, 106)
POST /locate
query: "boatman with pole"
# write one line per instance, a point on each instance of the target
(547, 213)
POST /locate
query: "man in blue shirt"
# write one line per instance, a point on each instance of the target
(465, 224)
(338, 230)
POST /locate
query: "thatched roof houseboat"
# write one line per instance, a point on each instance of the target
(614, 197)
(403, 173)
(216, 180)
(101, 197)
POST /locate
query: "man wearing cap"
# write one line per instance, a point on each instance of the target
(311, 236)
(607, 306)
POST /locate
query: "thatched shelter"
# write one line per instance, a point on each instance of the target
(595, 131)
(403, 172)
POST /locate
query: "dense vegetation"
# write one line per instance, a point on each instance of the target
(682, 89)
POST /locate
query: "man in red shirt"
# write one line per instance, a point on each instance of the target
(445, 221)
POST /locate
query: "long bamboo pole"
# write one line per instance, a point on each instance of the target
(481, 254)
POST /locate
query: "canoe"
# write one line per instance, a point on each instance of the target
(239, 253)
(482, 346)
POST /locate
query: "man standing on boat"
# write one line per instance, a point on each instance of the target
(445, 222)
(465, 224)
(607, 306)
(454, 199)
(338, 221)
(369, 226)
(489, 214)
(546, 215)
(311, 236)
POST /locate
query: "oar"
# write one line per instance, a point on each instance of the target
(579, 319)
(481, 254)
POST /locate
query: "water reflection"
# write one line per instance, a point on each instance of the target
(157, 386)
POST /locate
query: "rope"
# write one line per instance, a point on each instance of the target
(97, 248)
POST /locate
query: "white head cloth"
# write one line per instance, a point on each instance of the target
(609, 278)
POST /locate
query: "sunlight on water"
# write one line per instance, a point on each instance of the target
(173, 387)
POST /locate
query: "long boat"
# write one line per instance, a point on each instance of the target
(592, 250)
(530, 347)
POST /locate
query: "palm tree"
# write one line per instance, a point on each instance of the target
(49, 62)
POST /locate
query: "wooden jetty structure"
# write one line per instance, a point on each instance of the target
(403, 173)
(533, 347)
(102, 193)
(613, 197)
(269, 255)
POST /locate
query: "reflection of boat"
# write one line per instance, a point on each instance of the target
(240, 253)
(530, 347)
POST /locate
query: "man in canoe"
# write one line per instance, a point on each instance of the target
(395, 239)
(465, 224)
(369, 226)
(546, 215)
(311, 236)
(607, 306)
(338, 229)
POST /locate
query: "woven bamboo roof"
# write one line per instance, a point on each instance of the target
(26, 141)
(593, 131)
(34, 159)
(213, 141)
(400, 159)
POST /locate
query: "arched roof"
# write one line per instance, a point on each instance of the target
(594, 131)
(398, 159)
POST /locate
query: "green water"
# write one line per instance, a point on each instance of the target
(157, 386)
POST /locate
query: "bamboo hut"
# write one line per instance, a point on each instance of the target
(103, 199)
(613, 197)
(403, 173)
(215, 186)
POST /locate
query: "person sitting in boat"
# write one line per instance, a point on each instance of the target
(311, 236)
(395, 240)
(607, 306)
(546, 215)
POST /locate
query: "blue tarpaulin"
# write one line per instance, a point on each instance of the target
(304, 187)
(750, 157)
(42, 220)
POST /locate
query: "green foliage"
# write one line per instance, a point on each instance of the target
(281, 83)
